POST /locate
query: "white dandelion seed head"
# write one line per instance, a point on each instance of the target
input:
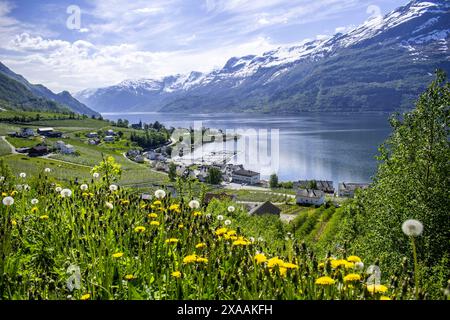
(47, 170)
(23, 175)
(412, 228)
(113, 187)
(227, 222)
(19, 187)
(231, 209)
(109, 205)
(34, 201)
(194, 204)
(220, 217)
(58, 189)
(260, 239)
(84, 187)
(8, 201)
(26, 187)
(251, 239)
(208, 215)
(359, 266)
(66, 193)
(160, 194)
(95, 175)
(2, 178)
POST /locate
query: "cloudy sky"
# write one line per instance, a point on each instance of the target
(112, 40)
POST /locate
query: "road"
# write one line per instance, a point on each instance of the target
(13, 149)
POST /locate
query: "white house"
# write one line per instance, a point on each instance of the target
(245, 176)
(110, 132)
(92, 135)
(348, 189)
(108, 139)
(65, 148)
(310, 197)
(27, 132)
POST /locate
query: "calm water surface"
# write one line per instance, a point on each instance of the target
(322, 146)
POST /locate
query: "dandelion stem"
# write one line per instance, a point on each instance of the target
(416, 282)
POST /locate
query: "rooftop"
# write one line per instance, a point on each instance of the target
(246, 173)
(310, 193)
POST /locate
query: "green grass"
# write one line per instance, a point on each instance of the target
(24, 142)
(257, 196)
(5, 128)
(4, 148)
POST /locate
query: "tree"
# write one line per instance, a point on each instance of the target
(412, 182)
(273, 182)
(214, 176)
(172, 171)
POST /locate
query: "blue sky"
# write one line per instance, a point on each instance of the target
(122, 39)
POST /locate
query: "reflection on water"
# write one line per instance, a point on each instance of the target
(338, 147)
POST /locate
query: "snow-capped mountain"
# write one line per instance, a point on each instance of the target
(379, 66)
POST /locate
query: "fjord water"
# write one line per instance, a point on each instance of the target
(322, 146)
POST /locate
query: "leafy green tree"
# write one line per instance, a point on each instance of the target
(412, 182)
(172, 171)
(273, 182)
(214, 176)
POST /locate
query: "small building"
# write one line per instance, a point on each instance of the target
(44, 131)
(322, 185)
(38, 151)
(265, 208)
(137, 126)
(310, 197)
(139, 159)
(94, 142)
(108, 139)
(219, 196)
(245, 176)
(92, 135)
(110, 132)
(26, 132)
(348, 189)
(65, 148)
(54, 134)
(23, 150)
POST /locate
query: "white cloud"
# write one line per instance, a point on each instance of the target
(62, 65)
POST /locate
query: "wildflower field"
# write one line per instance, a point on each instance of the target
(96, 240)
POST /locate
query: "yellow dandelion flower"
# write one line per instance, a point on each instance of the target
(337, 263)
(34, 209)
(180, 226)
(44, 217)
(157, 203)
(354, 259)
(283, 271)
(376, 288)
(221, 231)
(14, 222)
(273, 262)
(152, 215)
(231, 233)
(289, 265)
(321, 265)
(85, 296)
(139, 229)
(202, 260)
(351, 277)
(175, 207)
(154, 223)
(349, 265)
(13, 193)
(190, 259)
(385, 298)
(197, 213)
(4, 194)
(241, 242)
(260, 258)
(125, 202)
(172, 240)
(85, 194)
(176, 274)
(324, 281)
(129, 277)
(117, 255)
(200, 245)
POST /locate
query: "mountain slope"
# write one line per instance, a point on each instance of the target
(61, 101)
(379, 66)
